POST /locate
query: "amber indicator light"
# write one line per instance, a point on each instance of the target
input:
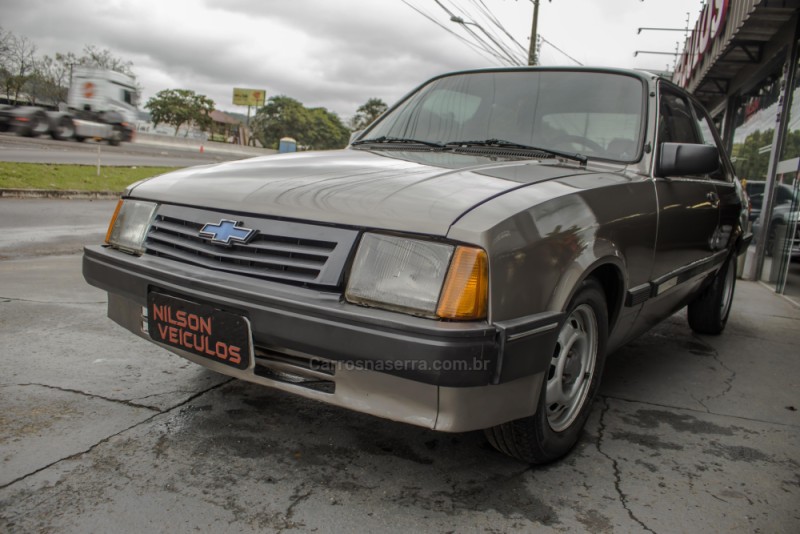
(466, 289)
(113, 220)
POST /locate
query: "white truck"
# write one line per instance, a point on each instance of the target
(101, 104)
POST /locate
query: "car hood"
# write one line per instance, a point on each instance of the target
(424, 192)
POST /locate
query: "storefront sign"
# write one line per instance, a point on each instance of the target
(708, 28)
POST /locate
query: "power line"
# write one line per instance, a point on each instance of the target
(490, 21)
(557, 48)
(483, 8)
(481, 50)
(504, 55)
(487, 40)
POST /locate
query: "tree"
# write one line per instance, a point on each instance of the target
(102, 58)
(50, 81)
(751, 159)
(284, 116)
(367, 113)
(17, 62)
(327, 131)
(177, 107)
(47, 78)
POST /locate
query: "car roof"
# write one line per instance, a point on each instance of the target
(641, 74)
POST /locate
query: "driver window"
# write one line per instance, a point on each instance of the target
(707, 137)
(675, 121)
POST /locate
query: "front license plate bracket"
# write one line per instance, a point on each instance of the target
(200, 329)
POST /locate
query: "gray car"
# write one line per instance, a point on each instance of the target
(466, 263)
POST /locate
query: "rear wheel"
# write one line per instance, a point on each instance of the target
(64, 129)
(116, 135)
(569, 387)
(708, 312)
(32, 124)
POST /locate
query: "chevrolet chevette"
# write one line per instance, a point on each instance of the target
(466, 263)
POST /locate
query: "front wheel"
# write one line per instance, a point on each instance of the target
(569, 387)
(708, 312)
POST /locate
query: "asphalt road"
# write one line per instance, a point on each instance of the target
(103, 432)
(46, 150)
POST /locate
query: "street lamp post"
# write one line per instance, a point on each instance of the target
(459, 20)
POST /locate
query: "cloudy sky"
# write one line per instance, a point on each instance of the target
(336, 53)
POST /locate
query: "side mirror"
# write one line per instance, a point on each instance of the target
(680, 159)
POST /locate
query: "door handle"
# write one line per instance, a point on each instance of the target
(713, 198)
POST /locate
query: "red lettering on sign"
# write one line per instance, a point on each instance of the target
(235, 354)
(706, 31)
(192, 332)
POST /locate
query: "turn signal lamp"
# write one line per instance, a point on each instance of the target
(465, 294)
(113, 221)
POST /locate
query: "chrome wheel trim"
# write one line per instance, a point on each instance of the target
(571, 368)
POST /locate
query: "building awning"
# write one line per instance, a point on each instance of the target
(745, 44)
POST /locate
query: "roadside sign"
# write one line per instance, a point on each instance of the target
(249, 97)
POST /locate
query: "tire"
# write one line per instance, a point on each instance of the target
(554, 429)
(708, 312)
(31, 124)
(63, 130)
(116, 136)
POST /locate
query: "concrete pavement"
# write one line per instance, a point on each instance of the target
(103, 432)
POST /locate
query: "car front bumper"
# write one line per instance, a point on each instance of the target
(444, 375)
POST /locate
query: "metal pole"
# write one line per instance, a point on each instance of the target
(784, 110)
(532, 59)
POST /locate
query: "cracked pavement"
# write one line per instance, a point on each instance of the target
(101, 431)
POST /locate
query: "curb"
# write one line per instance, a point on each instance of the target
(63, 194)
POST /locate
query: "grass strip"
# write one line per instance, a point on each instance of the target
(72, 177)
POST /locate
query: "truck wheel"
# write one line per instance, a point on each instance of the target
(63, 130)
(709, 311)
(569, 387)
(116, 135)
(32, 125)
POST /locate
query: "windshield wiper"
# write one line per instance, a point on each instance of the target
(397, 140)
(500, 143)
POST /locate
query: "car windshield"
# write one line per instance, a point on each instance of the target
(595, 114)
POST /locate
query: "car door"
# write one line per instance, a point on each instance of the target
(688, 214)
(724, 180)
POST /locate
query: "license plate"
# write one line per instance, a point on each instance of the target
(200, 329)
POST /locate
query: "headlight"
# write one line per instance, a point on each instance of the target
(424, 278)
(129, 224)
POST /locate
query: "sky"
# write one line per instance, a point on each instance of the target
(338, 53)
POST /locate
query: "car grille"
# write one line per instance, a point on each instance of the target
(283, 251)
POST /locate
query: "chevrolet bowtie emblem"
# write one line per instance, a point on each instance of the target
(227, 232)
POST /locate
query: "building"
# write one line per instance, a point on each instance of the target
(741, 62)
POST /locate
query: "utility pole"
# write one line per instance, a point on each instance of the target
(532, 59)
